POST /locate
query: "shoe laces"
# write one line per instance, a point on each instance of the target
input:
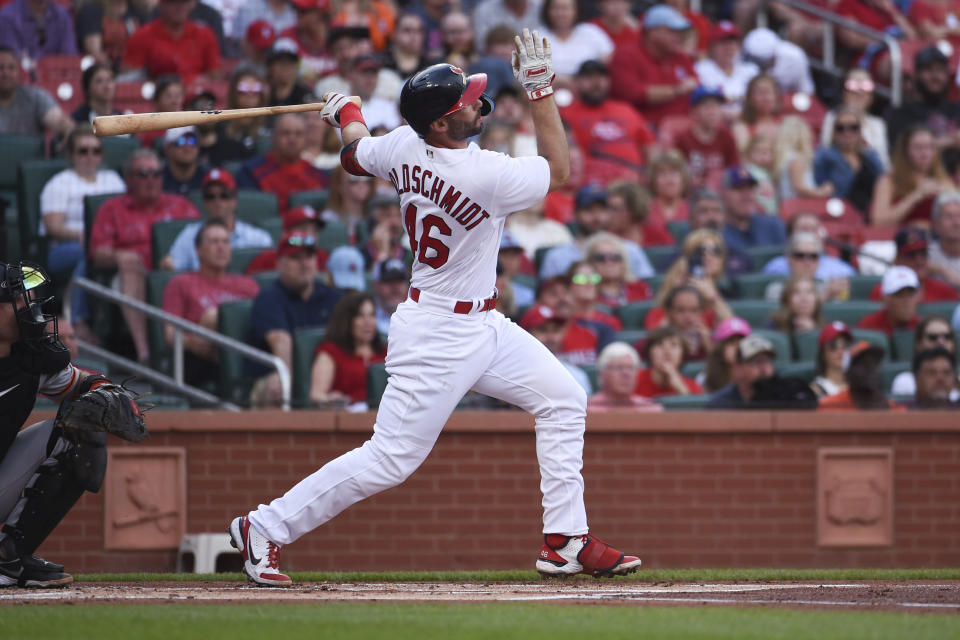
(273, 556)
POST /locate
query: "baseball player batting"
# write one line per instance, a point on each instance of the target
(447, 339)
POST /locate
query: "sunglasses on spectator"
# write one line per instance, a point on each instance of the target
(838, 343)
(799, 255)
(606, 257)
(851, 127)
(185, 141)
(88, 151)
(219, 195)
(249, 87)
(866, 86)
(710, 249)
(938, 337)
(301, 241)
(586, 278)
(148, 173)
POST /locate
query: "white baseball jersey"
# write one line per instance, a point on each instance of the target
(454, 203)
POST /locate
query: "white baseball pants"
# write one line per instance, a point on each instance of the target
(434, 357)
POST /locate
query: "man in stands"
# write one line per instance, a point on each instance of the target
(568, 341)
(282, 171)
(27, 110)
(220, 202)
(282, 64)
(120, 237)
(745, 226)
(196, 297)
(931, 104)
(391, 281)
(707, 144)
(654, 74)
(37, 28)
(899, 287)
(172, 44)
(181, 171)
(935, 371)
(303, 219)
(755, 361)
(913, 252)
(613, 136)
(944, 252)
(617, 368)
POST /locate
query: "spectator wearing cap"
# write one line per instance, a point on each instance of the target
(617, 20)
(391, 281)
(37, 28)
(848, 164)
(104, 34)
(617, 369)
(303, 219)
(707, 144)
(723, 354)
(362, 78)
(584, 283)
(944, 252)
(551, 328)
(172, 43)
(724, 69)
(745, 227)
(233, 140)
(804, 258)
(310, 34)
(899, 287)
(513, 262)
(935, 372)
(282, 170)
(612, 135)
(784, 61)
(755, 361)
(864, 378)
(283, 64)
(26, 109)
(120, 237)
(572, 42)
(514, 14)
(346, 268)
(219, 203)
(196, 296)
(933, 332)
(833, 346)
(858, 96)
(346, 44)
(181, 171)
(930, 105)
(591, 215)
(581, 338)
(297, 299)
(664, 351)
(257, 41)
(654, 73)
(913, 252)
(351, 343)
(278, 15)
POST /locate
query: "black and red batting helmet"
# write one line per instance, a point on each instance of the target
(440, 90)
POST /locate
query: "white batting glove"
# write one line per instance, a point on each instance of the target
(533, 65)
(331, 112)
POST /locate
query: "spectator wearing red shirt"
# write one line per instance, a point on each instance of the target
(196, 296)
(310, 34)
(303, 219)
(664, 351)
(700, 27)
(611, 135)
(351, 344)
(120, 235)
(900, 287)
(584, 285)
(617, 369)
(615, 18)
(282, 171)
(685, 309)
(912, 244)
(880, 15)
(173, 44)
(576, 346)
(653, 74)
(708, 144)
(629, 210)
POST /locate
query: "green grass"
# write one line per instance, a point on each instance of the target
(506, 621)
(644, 575)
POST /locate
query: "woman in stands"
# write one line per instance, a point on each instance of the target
(703, 266)
(406, 52)
(793, 166)
(669, 181)
(799, 306)
(61, 201)
(723, 355)
(848, 163)
(168, 95)
(572, 42)
(247, 90)
(618, 285)
(858, 88)
(629, 206)
(832, 347)
(916, 178)
(351, 344)
(348, 195)
(759, 158)
(665, 351)
(761, 111)
(99, 89)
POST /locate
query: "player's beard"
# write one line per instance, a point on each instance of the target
(465, 130)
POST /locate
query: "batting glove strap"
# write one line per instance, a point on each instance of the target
(350, 113)
(540, 94)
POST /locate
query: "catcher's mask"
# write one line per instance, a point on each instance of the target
(18, 286)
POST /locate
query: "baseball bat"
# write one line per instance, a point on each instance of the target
(140, 122)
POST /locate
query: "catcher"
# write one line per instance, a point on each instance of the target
(45, 468)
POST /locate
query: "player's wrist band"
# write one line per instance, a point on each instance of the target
(540, 94)
(350, 113)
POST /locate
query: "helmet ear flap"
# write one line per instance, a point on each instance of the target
(487, 105)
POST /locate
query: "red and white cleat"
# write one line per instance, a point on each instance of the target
(563, 556)
(261, 557)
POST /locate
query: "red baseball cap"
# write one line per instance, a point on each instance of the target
(539, 315)
(306, 5)
(832, 330)
(293, 243)
(222, 176)
(297, 215)
(724, 30)
(260, 35)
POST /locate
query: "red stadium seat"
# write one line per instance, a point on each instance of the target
(670, 128)
(67, 92)
(808, 107)
(849, 215)
(51, 68)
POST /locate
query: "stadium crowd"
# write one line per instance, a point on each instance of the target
(739, 230)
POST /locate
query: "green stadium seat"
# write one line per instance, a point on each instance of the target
(850, 311)
(901, 342)
(17, 149)
(804, 370)
(252, 206)
(265, 278)
(942, 309)
(631, 336)
(264, 143)
(693, 369)
(161, 354)
(633, 314)
(891, 370)
(273, 226)
(526, 280)
(656, 283)
(233, 167)
(241, 258)
(875, 338)
(761, 255)
(116, 150)
(754, 285)
(683, 402)
(234, 321)
(376, 383)
(91, 204)
(162, 236)
(305, 342)
(591, 371)
(861, 286)
(780, 341)
(805, 346)
(657, 255)
(756, 312)
(33, 175)
(316, 198)
(679, 230)
(334, 234)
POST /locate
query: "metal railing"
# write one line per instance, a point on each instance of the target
(831, 22)
(180, 326)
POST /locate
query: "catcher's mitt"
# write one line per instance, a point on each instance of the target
(107, 407)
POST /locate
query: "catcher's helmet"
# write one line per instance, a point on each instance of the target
(440, 90)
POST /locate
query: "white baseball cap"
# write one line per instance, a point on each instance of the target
(172, 135)
(898, 278)
(346, 267)
(760, 44)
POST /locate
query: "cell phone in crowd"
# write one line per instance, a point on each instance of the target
(695, 264)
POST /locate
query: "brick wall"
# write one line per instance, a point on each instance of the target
(680, 489)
